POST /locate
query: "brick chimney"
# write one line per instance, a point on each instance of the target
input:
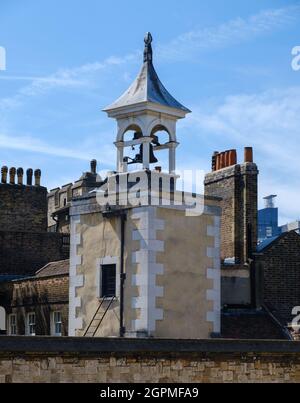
(237, 185)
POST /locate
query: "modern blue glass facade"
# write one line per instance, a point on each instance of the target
(268, 223)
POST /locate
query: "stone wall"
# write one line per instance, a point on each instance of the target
(152, 361)
(25, 253)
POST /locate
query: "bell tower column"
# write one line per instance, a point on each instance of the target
(172, 157)
(120, 156)
(146, 152)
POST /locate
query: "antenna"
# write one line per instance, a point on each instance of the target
(269, 201)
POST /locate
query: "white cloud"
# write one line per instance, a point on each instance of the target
(233, 32)
(76, 77)
(34, 145)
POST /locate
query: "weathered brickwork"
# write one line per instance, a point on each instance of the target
(279, 266)
(23, 208)
(25, 253)
(25, 244)
(237, 186)
(219, 362)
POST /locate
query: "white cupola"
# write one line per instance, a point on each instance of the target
(146, 108)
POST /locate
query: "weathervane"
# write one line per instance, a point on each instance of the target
(148, 54)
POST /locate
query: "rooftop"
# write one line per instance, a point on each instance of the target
(54, 269)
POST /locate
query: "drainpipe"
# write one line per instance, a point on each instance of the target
(123, 217)
(252, 267)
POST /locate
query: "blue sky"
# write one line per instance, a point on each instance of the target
(228, 61)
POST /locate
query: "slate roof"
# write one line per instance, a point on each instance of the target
(267, 242)
(250, 325)
(147, 87)
(54, 269)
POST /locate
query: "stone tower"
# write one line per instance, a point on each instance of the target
(144, 269)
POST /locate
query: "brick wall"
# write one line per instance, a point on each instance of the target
(237, 186)
(23, 208)
(280, 268)
(25, 253)
(151, 361)
(43, 296)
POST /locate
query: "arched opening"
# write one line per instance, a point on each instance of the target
(162, 138)
(129, 133)
(162, 133)
(133, 132)
(2, 320)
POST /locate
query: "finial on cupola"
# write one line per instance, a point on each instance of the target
(148, 53)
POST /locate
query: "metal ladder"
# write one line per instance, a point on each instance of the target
(96, 322)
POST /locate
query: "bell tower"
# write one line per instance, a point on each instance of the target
(146, 108)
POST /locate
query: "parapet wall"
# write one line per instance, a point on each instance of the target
(152, 361)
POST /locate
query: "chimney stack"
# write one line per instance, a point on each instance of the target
(37, 177)
(20, 174)
(94, 167)
(29, 177)
(248, 154)
(4, 171)
(12, 175)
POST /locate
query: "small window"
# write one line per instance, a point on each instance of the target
(269, 232)
(31, 324)
(108, 281)
(56, 324)
(12, 325)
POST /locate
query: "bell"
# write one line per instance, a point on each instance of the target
(152, 159)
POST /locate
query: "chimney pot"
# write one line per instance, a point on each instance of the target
(12, 175)
(37, 177)
(94, 166)
(227, 162)
(218, 162)
(248, 154)
(232, 157)
(4, 171)
(29, 177)
(222, 160)
(20, 173)
(214, 161)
